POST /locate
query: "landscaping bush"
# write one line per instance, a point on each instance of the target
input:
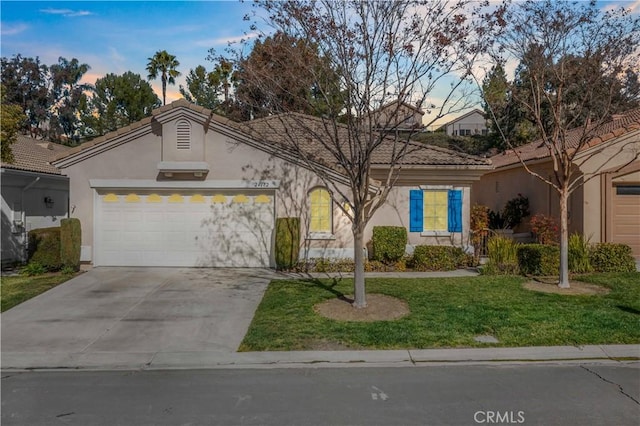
(438, 258)
(512, 214)
(546, 229)
(388, 243)
(325, 265)
(44, 248)
(70, 241)
(503, 258)
(287, 244)
(32, 269)
(538, 259)
(612, 257)
(515, 210)
(579, 251)
(479, 225)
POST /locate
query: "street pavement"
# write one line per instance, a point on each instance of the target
(530, 394)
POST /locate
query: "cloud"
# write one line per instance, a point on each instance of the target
(8, 29)
(115, 56)
(225, 40)
(70, 13)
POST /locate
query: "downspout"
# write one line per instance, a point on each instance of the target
(25, 239)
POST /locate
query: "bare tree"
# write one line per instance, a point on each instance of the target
(573, 59)
(382, 53)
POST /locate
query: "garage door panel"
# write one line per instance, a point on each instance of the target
(626, 217)
(176, 231)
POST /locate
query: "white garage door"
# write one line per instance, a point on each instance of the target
(181, 228)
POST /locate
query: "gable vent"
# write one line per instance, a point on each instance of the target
(183, 135)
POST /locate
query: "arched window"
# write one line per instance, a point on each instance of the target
(183, 135)
(320, 211)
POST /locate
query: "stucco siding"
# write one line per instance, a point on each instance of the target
(157, 158)
(588, 204)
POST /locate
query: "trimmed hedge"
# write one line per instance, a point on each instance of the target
(44, 248)
(438, 258)
(538, 259)
(287, 245)
(388, 243)
(612, 257)
(70, 241)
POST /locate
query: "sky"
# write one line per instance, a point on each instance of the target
(120, 36)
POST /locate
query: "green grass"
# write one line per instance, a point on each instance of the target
(15, 290)
(449, 312)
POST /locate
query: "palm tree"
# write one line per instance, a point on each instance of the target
(164, 64)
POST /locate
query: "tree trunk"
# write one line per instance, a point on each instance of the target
(564, 239)
(164, 91)
(360, 300)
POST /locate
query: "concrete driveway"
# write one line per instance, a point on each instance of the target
(110, 317)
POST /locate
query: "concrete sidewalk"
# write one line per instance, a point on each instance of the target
(314, 359)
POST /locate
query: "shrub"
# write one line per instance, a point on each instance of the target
(538, 259)
(496, 220)
(325, 265)
(70, 241)
(512, 214)
(479, 224)
(545, 228)
(68, 270)
(33, 269)
(515, 209)
(389, 243)
(438, 258)
(400, 265)
(612, 257)
(287, 244)
(44, 248)
(579, 261)
(503, 259)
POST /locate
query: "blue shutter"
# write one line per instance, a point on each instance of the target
(415, 210)
(455, 210)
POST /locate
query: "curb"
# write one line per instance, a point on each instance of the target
(15, 361)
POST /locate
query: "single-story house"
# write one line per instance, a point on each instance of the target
(34, 195)
(605, 209)
(186, 187)
(471, 123)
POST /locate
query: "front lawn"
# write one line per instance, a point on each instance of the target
(449, 312)
(17, 289)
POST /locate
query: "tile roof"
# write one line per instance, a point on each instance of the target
(34, 155)
(617, 126)
(274, 129)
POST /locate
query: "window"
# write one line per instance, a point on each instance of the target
(435, 210)
(628, 190)
(320, 211)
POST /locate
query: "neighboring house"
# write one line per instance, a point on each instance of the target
(186, 187)
(34, 195)
(471, 123)
(606, 208)
(398, 115)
